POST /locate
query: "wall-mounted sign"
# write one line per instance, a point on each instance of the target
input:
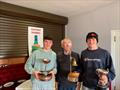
(35, 38)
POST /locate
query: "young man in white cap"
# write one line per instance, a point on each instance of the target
(92, 59)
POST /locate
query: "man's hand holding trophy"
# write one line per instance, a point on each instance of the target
(45, 75)
(103, 79)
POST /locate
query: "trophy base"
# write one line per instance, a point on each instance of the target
(73, 79)
(73, 76)
(103, 86)
(43, 77)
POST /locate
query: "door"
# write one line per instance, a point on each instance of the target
(115, 52)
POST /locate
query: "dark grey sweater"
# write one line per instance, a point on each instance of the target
(90, 61)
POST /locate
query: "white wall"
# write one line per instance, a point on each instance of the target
(102, 21)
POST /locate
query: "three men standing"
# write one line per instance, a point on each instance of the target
(69, 65)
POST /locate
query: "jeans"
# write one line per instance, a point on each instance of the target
(61, 87)
(97, 88)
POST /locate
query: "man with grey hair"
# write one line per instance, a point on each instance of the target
(67, 65)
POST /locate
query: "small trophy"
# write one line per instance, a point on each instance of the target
(101, 72)
(73, 75)
(45, 76)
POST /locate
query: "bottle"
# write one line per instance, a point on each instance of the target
(35, 45)
(35, 39)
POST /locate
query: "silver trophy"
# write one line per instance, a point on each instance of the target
(73, 75)
(45, 75)
(101, 72)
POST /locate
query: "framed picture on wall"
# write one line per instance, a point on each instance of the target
(35, 38)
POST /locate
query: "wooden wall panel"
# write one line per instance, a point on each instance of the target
(15, 60)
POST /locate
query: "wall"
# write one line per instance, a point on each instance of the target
(102, 20)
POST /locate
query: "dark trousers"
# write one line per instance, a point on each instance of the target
(61, 87)
(97, 88)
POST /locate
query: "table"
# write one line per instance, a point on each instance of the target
(27, 85)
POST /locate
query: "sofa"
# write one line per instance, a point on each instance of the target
(12, 75)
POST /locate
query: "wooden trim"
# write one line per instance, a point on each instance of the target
(3, 61)
(15, 60)
(13, 10)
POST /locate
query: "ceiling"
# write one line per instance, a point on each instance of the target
(62, 7)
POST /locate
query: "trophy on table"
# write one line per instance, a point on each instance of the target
(73, 74)
(101, 72)
(45, 75)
